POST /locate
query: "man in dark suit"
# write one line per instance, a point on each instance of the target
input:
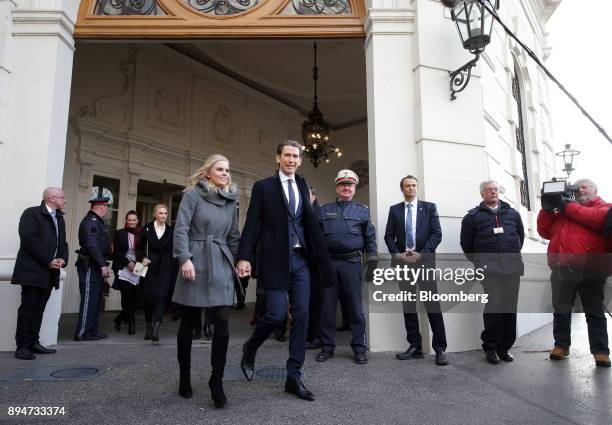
(290, 246)
(412, 235)
(42, 253)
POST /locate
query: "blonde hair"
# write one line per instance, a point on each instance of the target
(158, 207)
(201, 173)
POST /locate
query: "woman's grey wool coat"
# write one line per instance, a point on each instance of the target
(206, 231)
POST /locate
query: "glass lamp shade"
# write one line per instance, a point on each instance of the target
(474, 23)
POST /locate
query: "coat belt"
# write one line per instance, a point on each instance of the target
(214, 263)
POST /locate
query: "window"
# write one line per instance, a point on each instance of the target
(106, 186)
(520, 139)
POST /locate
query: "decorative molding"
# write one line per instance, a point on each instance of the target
(115, 109)
(183, 22)
(361, 167)
(43, 23)
(221, 125)
(389, 22)
(167, 106)
(133, 185)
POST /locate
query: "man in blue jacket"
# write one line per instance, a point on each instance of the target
(492, 236)
(412, 235)
(43, 251)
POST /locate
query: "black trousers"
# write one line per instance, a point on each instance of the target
(434, 315)
(566, 282)
(499, 315)
(129, 298)
(30, 314)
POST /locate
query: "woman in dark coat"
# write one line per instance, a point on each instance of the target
(126, 250)
(156, 239)
(205, 243)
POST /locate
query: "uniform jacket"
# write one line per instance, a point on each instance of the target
(575, 232)
(347, 227)
(267, 228)
(206, 231)
(500, 253)
(162, 270)
(94, 241)
(428, 231)
(37, 246)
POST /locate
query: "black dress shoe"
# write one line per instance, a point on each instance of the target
(361, 358)
(132, 326)
(441, 359)
(296, 387)
(324, 356)
(40, 349)
(410, 353)
(247, 363)
(118, 321)
(505, 356)
(313, 344)
(101, 335)
(87, 338)
(24, 353)
(280, 336)
(492, 357)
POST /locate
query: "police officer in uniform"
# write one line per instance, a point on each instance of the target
(348, 232)
(92, 268)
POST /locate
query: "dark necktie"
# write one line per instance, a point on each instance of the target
(53, 216)
(291, 197)
(409, 235)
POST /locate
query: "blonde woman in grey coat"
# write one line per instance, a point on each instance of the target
(206, 240)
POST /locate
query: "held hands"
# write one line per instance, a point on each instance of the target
(188, 271)
(56, 263)
(243, 268)
(408, 257)
(146, 261)
(104, 271)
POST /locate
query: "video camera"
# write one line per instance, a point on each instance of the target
(556, 193)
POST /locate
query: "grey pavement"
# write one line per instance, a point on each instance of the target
(138, 383)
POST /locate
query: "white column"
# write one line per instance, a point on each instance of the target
(35, 74)
(392, 151)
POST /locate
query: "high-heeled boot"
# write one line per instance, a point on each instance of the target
(149, 331)
(155, 335)
(131, 325)
(183, 350)
(217, 360)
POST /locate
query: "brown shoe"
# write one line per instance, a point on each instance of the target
(602, 359)
(559, 353)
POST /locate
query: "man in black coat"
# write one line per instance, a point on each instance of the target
(290, 246)
(42, 253)
(412, 235)
(492, 236)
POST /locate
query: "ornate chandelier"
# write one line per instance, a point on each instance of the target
(315, 130)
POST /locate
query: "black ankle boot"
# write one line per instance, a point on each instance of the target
(132, 326)
(149, 331)
(118, 321)
(216, 392)
(155, 335)
(218, 357)
(185, 389)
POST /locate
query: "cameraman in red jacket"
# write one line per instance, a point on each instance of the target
(576, 256)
